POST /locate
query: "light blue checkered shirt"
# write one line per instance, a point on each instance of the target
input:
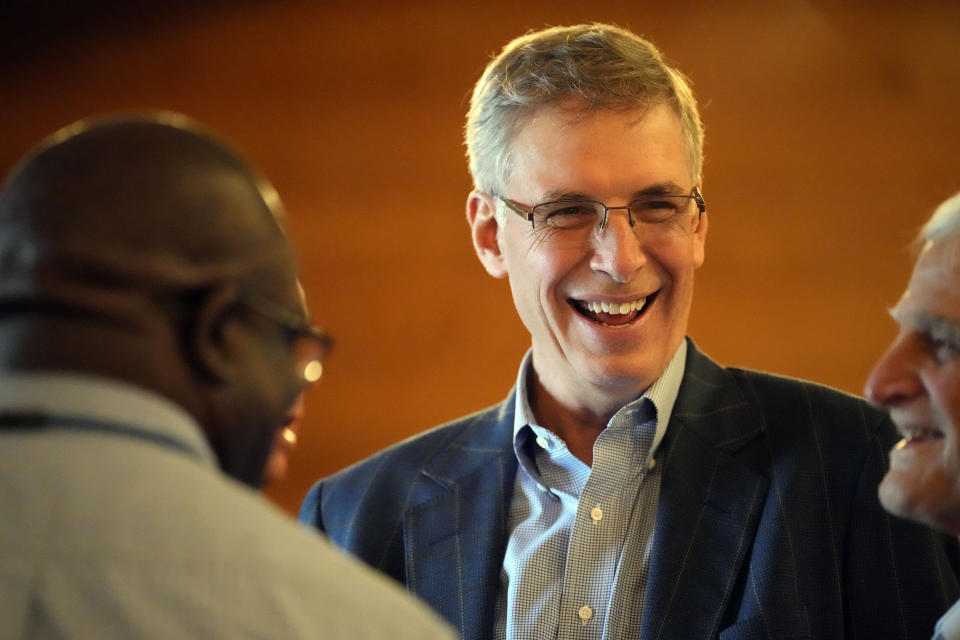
(948, 626)
(571, 570)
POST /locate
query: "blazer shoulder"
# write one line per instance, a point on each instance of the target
(781, 396)
(776, 388)
(474, 431)
(768, 396)
(451, 449)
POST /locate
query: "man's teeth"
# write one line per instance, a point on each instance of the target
(617, 308)
(914, 435)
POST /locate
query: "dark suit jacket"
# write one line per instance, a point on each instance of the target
(768, 524)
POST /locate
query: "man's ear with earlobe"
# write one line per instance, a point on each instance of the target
(485, 231)
(209, 340)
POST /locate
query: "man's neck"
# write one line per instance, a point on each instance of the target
(577, 424)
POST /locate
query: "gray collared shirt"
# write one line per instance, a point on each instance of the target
(118, 524)
(571, 570)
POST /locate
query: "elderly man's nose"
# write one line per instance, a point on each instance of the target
(894, 377)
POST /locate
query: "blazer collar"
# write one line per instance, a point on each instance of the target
(709, 504)
(455, 541)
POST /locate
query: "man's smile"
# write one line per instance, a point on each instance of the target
(612, 313)
(918, 435)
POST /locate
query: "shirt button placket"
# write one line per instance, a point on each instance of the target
(596, 514)
(584, 613)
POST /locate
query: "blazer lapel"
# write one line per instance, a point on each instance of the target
(708, 508)
(455, 541)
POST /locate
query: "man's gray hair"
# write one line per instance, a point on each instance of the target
(945, 220)
(604, 66)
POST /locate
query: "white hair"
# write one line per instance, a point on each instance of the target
(945, 221)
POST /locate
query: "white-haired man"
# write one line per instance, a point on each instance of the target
(918, 381)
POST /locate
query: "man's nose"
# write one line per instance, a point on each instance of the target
(895, 377)
(617, 249)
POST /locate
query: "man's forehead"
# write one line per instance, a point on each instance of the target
(932, 296)
(555, 146)
(574, 110)
(938, 265)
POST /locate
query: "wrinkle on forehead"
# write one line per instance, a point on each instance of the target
(942, 254)
(573, 112)
(939, 262)
(933, 292)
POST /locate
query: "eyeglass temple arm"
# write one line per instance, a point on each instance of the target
(698, 198)
(520, 211)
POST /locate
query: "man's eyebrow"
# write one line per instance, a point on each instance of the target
(669, 188)
(564, 196)
(937, 327)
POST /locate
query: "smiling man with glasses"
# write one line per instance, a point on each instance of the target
(628, 486)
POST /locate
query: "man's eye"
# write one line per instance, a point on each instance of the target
(571, 210)
(941, 346)
(571, 215)
(656, 210)
(944, 351)
(660, 204)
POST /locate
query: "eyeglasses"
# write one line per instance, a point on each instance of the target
(310, 343)
(575, 220)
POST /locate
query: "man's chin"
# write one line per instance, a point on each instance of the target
(904, 499)
(621, 373)
(894, 498)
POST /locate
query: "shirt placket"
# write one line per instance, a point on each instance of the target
(597, 537)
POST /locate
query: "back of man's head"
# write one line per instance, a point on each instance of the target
(140, 248)
(154, 191)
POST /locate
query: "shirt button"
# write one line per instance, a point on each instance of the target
(596, 513)
(541, 487)
(585, 613)
(651, 464)
(543, 442)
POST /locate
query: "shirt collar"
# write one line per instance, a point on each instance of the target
(85, 397)
(662, 394)
(948, 626)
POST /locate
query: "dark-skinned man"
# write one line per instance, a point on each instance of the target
(152, 338)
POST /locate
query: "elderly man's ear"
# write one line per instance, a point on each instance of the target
(485, 231)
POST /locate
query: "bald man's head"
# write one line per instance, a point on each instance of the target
(149, 196)
(152, 245)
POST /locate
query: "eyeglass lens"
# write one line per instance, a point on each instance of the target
(308, 352)
(578, 221)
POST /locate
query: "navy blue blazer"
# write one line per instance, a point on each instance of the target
(768, 524)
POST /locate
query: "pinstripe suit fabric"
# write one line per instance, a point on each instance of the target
(768, 525)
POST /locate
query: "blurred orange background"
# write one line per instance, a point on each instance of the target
(832, 132)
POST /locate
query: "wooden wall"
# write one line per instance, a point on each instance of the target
(832, 131)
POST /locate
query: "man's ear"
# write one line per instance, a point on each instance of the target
(212, 350)
(485, 231)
